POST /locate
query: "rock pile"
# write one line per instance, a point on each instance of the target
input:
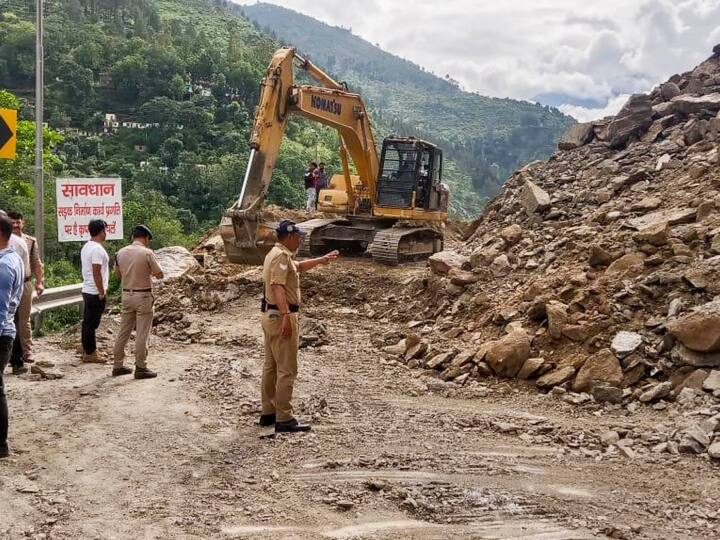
(596, 271)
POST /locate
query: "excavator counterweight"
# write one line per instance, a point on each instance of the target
(394, 207)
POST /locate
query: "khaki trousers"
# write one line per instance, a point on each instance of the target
(24, 329)
(137, 313)
(280, 368)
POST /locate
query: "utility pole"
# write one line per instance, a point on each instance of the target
(39, 106)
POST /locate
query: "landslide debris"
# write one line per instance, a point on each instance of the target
(594, 273)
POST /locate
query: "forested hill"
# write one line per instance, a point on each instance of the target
(158, 92)
(487, 137)
(161, 93)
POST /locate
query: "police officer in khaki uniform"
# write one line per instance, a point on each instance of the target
(36, 270)
(280, 308)
(136, 265)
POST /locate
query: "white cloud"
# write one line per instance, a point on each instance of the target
(523, 48)
(583, 114)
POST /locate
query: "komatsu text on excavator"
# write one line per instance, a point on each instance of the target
(395, 206)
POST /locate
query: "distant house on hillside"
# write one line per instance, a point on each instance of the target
(110, 123)
(105, 80)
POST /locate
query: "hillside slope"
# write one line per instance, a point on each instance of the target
(487, 137)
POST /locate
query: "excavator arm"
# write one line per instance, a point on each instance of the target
(243, 230)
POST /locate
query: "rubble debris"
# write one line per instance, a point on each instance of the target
(607, 256)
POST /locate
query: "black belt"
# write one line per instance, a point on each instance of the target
(265, 306)
(137, 290)
(27, 279)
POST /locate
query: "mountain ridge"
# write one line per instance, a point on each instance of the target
(488, 137)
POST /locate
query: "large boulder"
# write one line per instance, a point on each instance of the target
(686, 357)
(700, 329)
(655, 234)
(632, 120)
(556, 377)
(601, 368)
(669, 90)
(686, 104)
(507, 355)
(512, 233)
(576, 135)
(598, 257)
(176, 261)
(658, 391)
(531, 367)
(557, 318)
(461, 278)
(441, 262)
(625, 343)
(534, 198)
(500, 265)
(629, 265)
(712, 383)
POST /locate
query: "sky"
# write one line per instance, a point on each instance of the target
(584, 56)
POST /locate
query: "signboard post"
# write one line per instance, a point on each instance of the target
(8, 133)
(80, 200)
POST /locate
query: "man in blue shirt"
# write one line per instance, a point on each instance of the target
(11, 287)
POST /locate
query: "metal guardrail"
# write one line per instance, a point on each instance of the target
(57, 297)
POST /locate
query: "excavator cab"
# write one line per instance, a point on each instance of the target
(410, 174)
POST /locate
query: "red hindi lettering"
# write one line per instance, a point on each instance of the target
(69, 190)
(114, 210)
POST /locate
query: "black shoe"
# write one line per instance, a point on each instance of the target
(122, 370)
(267, 420)
(4, 451)
(19, 370)
(144, 373)
(291, 426)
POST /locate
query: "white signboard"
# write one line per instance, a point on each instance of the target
(81, 200)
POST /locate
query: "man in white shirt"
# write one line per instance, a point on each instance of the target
(96, 271)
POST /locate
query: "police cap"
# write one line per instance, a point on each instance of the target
(288, 227)
(142, 231)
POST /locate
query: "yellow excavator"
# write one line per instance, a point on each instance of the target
(394, 207)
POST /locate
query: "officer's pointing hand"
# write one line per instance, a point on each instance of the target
(329, 257)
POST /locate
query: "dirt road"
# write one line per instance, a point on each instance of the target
(393, 453)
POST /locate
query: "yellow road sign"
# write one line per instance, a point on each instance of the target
(8, 133)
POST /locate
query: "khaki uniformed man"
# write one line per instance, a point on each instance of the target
(24, 330)
(136, 265)
(280, 308)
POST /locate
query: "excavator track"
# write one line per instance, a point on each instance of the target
(312, 243)
(400, 244)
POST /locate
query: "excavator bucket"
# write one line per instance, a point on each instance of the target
(245, 233)
(247, 242)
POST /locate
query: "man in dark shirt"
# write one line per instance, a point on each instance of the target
(310, 183)
(320, 181)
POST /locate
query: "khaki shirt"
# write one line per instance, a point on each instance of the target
(281, 269)
(35, 262)
(20, 247)
(137, 264)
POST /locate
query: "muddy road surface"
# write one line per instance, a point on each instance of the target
(394, 453)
